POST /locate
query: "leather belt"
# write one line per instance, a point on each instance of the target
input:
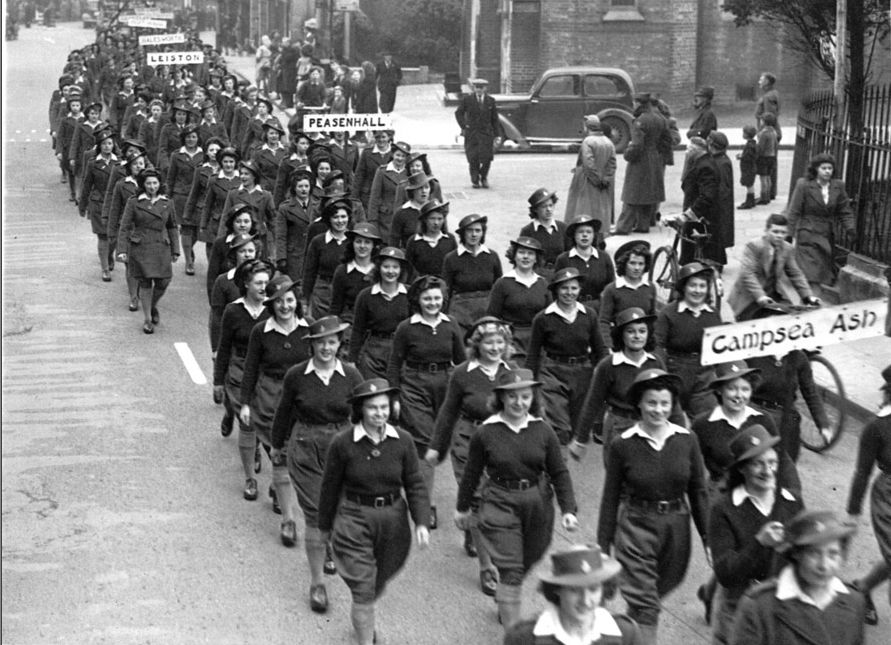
(583, 359)
(660, 506)
(375, 501)
(514, 484)
(429, 367)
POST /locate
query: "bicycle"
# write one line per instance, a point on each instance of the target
(665, 266)
(830, 389)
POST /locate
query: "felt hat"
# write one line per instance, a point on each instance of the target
(515, 379)
(434, 205)
(478, 81)
(277, 287)
(333, 193)
(251, 167)
(473, 218)
(333, 206)
(368, 230)
(417, 180)
(690, 270)
(541, 196)
(647, 378)
(182, 105)
(582, 220)
(191, 128)
(207, 104)
(325, 327)
(632, 315)
(300, 171)
(403, 146)
(102, 133)
(750, 442)
(528, 243)
(729, 371)
(810, 528)
(237, 208)
(482, 322)
(228, 151)
(133, 155)
(628, 246)
(580, 566)
(240, 240)
(391, 253)
(93, 105)
(592, 121)
(371, 387)
(564, 275)
(417, 155)
(273, 124)
(265, 100)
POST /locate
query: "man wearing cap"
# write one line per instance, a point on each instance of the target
(705, 122)
(477, 117)
(591, 189)
(700, 185)
(388, 75)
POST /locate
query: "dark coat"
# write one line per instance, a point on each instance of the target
(725, 223)
(149, 235)
(479, 124)
(291, 226)
(268, 161)
(215, 194)
(700, 186)
(93, 190)
(370, 159)
(380, 200)
(288, 62)
(704, 123)
(644, 175)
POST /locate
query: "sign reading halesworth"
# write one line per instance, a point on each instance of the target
(337, 122)
(779, 335)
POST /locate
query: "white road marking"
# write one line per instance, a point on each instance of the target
(190, 363)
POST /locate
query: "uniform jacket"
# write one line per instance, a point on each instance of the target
(218, 187)
(168, 142)
(383, 192)
(67, 126)
(754, 270)
(82, 142)
(369, 161)
(95, 183)
(182, 171)
(292, 222)
(268, 161)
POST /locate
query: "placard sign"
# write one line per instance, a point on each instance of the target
(161, 39)
(151, 12)
(146, 23)
(336, 122)
(174, 58)
(779, 335)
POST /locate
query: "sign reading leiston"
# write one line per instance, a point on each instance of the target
(174, 58)
(332, 122)
(779, 335)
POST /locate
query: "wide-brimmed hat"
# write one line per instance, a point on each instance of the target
(646, 378)
(417, 155)
(183, 106)
(564, 275)
(632, 315)
(628, 246)
(251, 167)
(333, 206)
(815, 527)
(485, 320)
(582, 220)
(470, 220)
(728, 371)
(300, 171)
(417, 180)
(207, 104)
(688, 271)
(528, 243)
(93, 104)
(101, 134)
(751, 442)
(274, 124)
(541, 196)
(133, 143)
(325, 327)
(515, 379)
(367, 230)
(403, 146)
(228, 151)
(371, 387)
(277, 287)
(580, 566)
(191, 128)
(240, 240)
(434, 205)
(133, 155)
(266, 101)
(391, 253)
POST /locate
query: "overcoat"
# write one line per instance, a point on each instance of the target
(591, 189)
(644, 176)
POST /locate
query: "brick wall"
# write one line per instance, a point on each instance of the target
(525, 44)
(488, 48)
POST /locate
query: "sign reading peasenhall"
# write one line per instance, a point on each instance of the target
(332, 122)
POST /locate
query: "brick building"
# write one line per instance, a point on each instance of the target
(668, 46)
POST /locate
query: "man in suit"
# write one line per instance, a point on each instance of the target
(478, 118)
(389, 76)
(765, 261)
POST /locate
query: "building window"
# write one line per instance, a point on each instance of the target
(623, 11)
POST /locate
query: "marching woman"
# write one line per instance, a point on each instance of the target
(209, 127)
(275, 346)
(370, 159)
(250, 192)
(313, 409)
(169, 139)
(520, 454)
(378, 311)
(242, 247)
(546, 229)
(323, 255)
(238, 319)
(292, 221)
(678, 331)
(218, 186)
(405, 220)
(192, 210)
(296, 159)
(150, 130)
(269, 156)
(253, 135)
(362, 507)
(355, 271)
(151, 242)
(180, 177)
(125, 188)
(383, 189)
(417, 163)
(470, 271)
(875, 449)
(655, 482)
(68, 124)
(426, 347)
(595, 267)
(239, 219)
(520, 294)
(463, 411)
(568, 334)
(427, 249)
(84, 139)
(631, 287)
(92, 196)
(746, 522)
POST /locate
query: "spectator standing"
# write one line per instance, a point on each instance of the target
(591, 190)
(705, 122)
(478, 119)
(388, 74)
(748, 166)
(769, 103)
(766, 161)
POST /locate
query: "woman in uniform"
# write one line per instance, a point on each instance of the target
(150, 129)
(218, 186)
(92, 196)
(565, 343)
(521, 455)
(427, 249)
(68, 124)
(239, 218)
(426, 347)
(631, 287)
(521, 293)
(274, 347)
(378, 310)
(84, 139)
(362, 507)
(323, 255)
(250, 192)
(383, 189)
(654, 483)
(296, 159)
(370, 159)
(417, 163)
(269, 156)
(470, 271)
(292, 221)
(355, 271)
(169, 137)
(123, 190)
(678, 332)
(546, 229)
(180, 177)
(242, 247)
(463, 411)
(210, 165)
(416, 190)
(313, 408)
(594, 265)
(151, 242)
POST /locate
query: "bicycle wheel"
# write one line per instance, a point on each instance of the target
(832, 393)
(664, 274)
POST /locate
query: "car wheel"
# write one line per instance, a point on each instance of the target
(620, 132)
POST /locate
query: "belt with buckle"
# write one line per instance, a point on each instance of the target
(375, 501)
(767, 405)
(514, 484)
(660, 506)
(429, 367)
(582, 359)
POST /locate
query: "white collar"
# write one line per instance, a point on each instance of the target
(311, 367)
(473, 364)
(418, 318)
(554, 308)
(391, 166)
(683, 306)
(548, 624)
(410, 204)
(498, 418)
(197, 150)
(359, 432)
(421, 238)
(657, 444)
(143, 196)
(266, 146)
(740, 494)
(329, 236)
(788, 588)
(222, 175)
(536, 224)
(352, 266)
(481, 249)
(256, 188)
(253, 312)
(231, 275)
(211, 122)
(131, 179)
(619, 358)
(272, 325)
(529, 282)
(622, 282)
(376, 289)
(884, 411)
(719, 415)
(574, 253)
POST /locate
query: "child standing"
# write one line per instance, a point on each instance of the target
(748, 166)
(767, 156)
